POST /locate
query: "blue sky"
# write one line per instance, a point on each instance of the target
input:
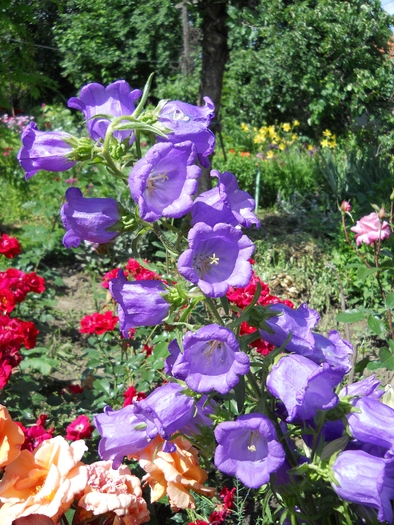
(388, 5)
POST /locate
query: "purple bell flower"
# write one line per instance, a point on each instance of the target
(166, 410)
(116, 100)
(368, 387)
(299, 322)
(332, 350)
(163, 181)
(248, 449)
(87, 218)
(44, 150)
(217, 258)
(303, 386)
(365, 480)
(211, 360)
(140, 303)
(189, 122)
(225, 203)
(121, 434)
(372, 423)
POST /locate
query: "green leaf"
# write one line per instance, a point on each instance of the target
(350, 316)
(376, 325)
(390, 300)
(363, 273)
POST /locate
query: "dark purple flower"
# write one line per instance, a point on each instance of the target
(211, 360)
(217, 258)
(366, 387)
(140, 303)
(365, 480)
(121, 432)
(225, 203)
(175, 351)
(189, 122)
(87, 218)
(299, 322)
(163, 181)
(165, 411)
(44, 150)
(332, 350)
(303, 386)
(248, 449)
(116, 100)
(372, 422)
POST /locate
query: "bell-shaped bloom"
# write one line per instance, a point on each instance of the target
(44, 481)
(11, 438)
(303, 386)
(211, 360)
(44, 150)
(163, 181)
(370, 228)
(122, 433)
(373, 423)
(225, 203)
(189, 122)
(165, 411)
(87, 219)
(299, 322)
(217, 258)
(368, 387)
(114, 490)
(365, 480)
(333, 350)
(140, 303)
(248, 449)
(115, 100)
(174, 473)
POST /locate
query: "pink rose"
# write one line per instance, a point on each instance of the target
(369, 229)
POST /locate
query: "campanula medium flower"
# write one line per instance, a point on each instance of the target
(140, 303)
(248, 449)
(115, 100)
(369, 386)
(333, 350)
(189, 122)
(303, 386)
(299, 322)
(225, 203)
(370, 228)
(211, 360)
(88, 218)
(44, 150)
(366, 480)
(163, 181)
(217, 258)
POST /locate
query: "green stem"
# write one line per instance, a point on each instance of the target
(213, 309)
(138, 143)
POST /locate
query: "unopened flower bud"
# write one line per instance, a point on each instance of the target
(345, 207)
(382, 213)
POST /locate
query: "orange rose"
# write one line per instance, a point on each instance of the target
(11, 438)
(43, 482)
(174, 474)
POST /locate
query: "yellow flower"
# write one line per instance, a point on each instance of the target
(270, 154)
(327, 133)
(325, 143)
(310, 147)
(282, 146)
(271, 131)
(286, 126)
(244, 127)
(296, 123)
(333, 144)
(294, 136)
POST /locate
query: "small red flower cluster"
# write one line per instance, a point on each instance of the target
(13, 334)
(98, 323)
(36, 434)
(9, 246)
(131, 395)
(242, 297)
(15, 285)
(134, 269)
(222, 510)
(80, 428)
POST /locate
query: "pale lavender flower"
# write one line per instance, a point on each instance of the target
(163, 181)
(248, 449)
(115, 100)
(303, 386)
(88, 218)
(211, 360)
(44, 150)
(217, 258)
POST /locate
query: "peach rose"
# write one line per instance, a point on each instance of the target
(43, 482)
(174, 474)
(118, 491)
(11, 438)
